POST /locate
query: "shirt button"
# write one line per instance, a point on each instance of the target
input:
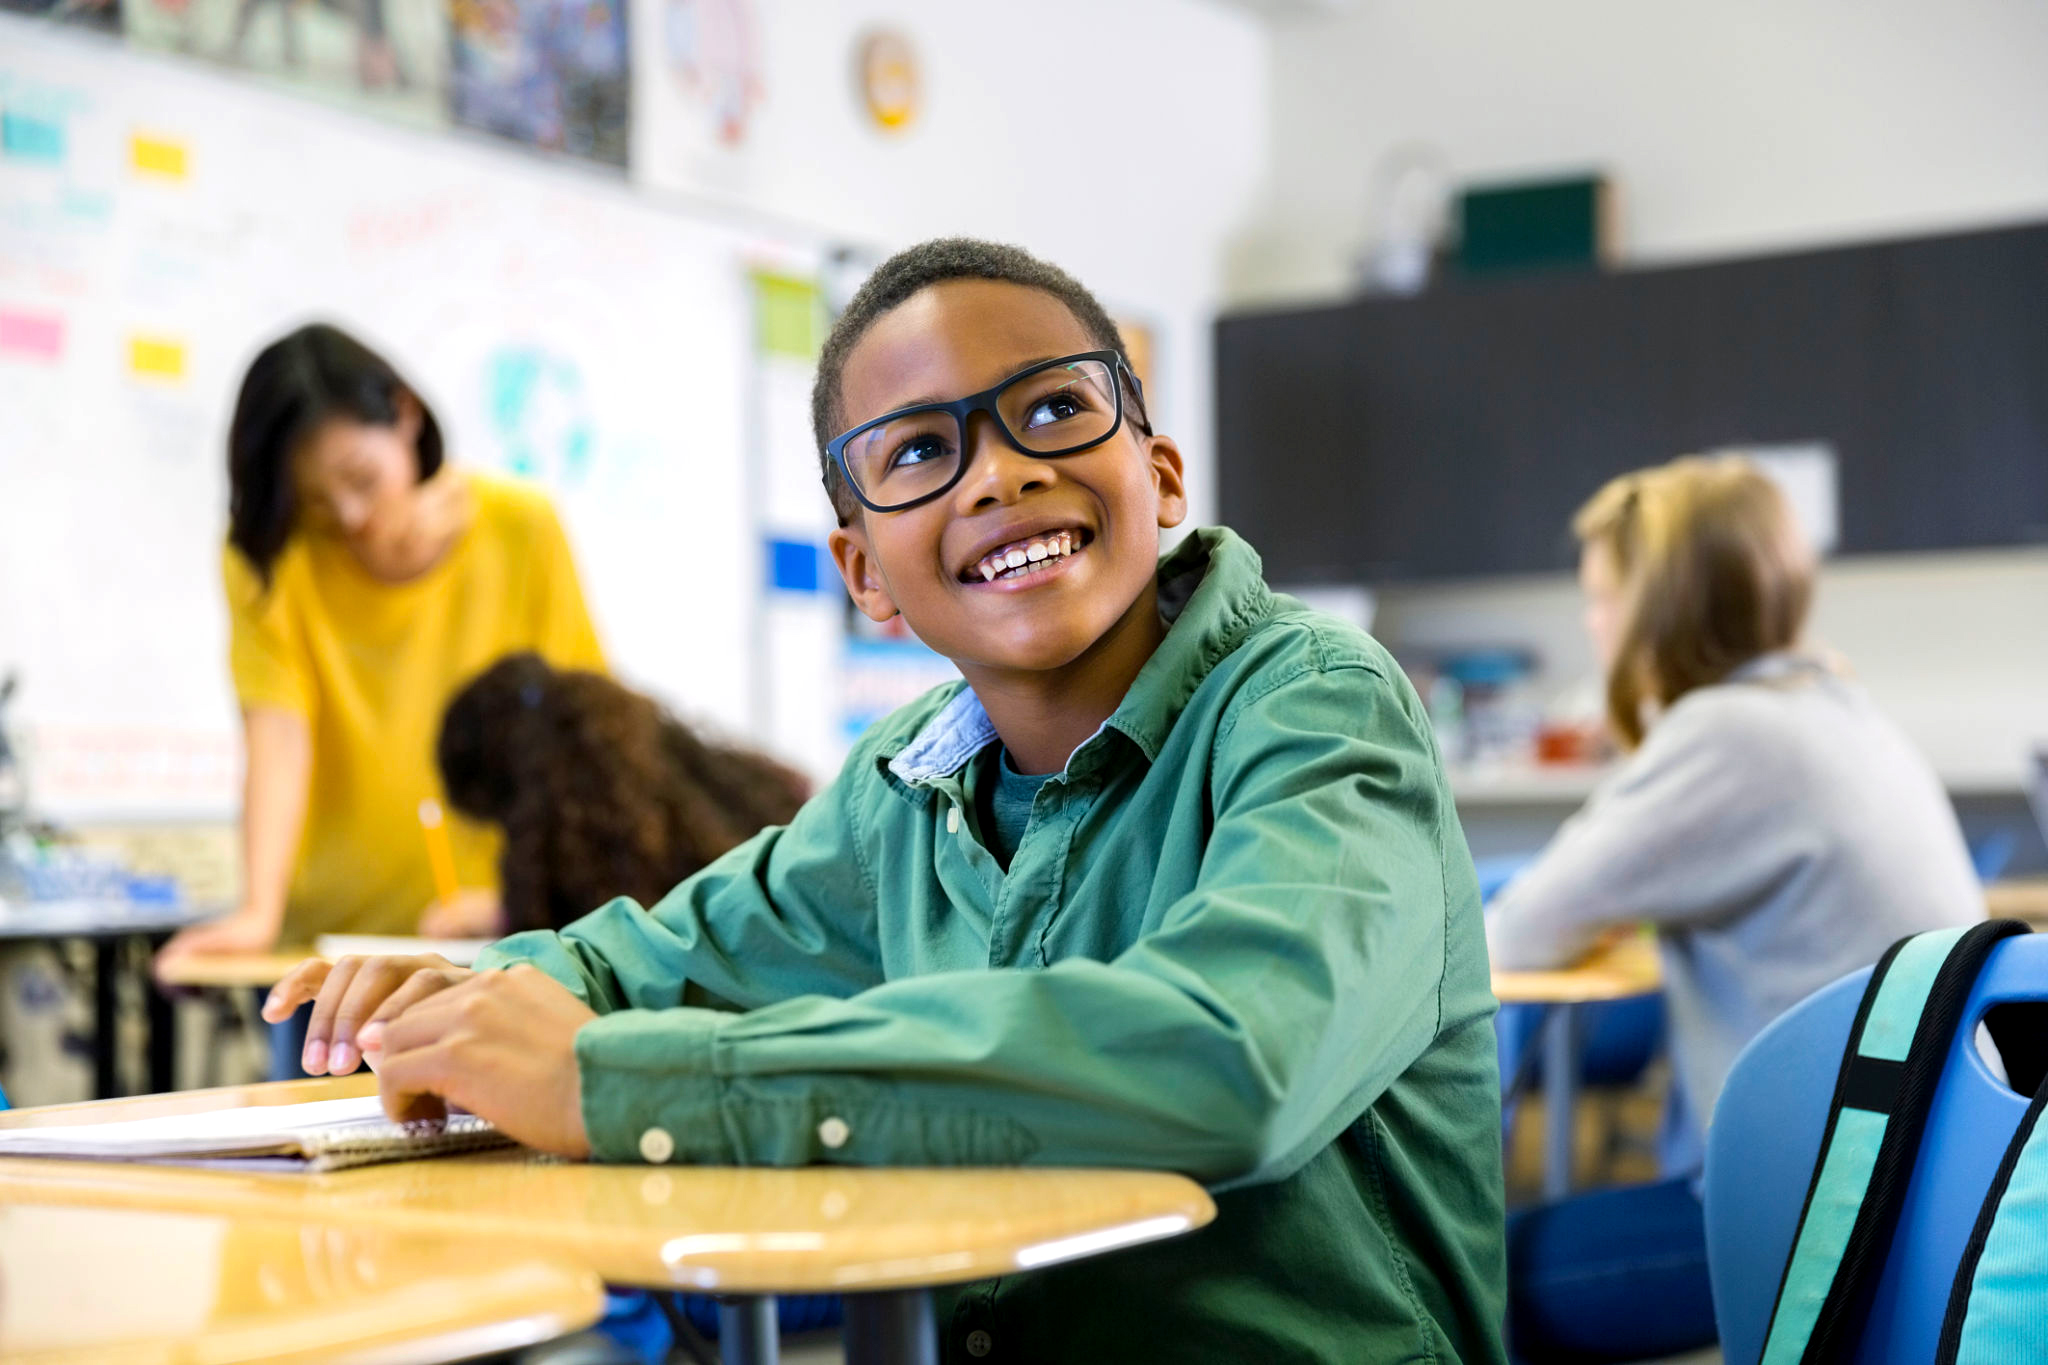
(656, 1146)
(833, 1132)
(952, 819)
(979, 1343)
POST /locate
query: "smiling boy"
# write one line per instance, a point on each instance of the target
(1172, 880)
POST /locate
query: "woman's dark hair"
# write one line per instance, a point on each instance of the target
(294, 384)
(600, 792)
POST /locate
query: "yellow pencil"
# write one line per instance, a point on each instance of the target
(439, 853)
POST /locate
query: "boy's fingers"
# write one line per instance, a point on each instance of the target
(371, 1036)
(320, 1028)
(428, 1020)
(407, 1085)
(300, 984)
(373, 984)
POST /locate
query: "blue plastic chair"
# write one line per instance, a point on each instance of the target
(1766, 1133)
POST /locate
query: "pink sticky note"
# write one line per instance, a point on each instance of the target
(35, 335)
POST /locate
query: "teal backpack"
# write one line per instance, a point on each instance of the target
(1997, 1307)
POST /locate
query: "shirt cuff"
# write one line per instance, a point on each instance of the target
(648, 1090)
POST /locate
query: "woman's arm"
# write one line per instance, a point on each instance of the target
(278, 770)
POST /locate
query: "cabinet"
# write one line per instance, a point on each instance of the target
(1454, 433)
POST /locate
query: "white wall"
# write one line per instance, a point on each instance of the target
(1124, 140)
(1734, 127)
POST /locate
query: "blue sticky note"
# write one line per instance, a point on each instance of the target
(29, 138)
(793, 566)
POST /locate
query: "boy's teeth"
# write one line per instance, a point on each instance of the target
(1030, 557)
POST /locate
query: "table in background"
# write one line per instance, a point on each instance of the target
(2020, 898)
(107, 925)
(1619, 971)
(881, 1236)
(259, 971)
(118, 1285)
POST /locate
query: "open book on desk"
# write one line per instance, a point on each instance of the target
(320, 1135)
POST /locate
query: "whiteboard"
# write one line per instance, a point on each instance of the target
(160, 221)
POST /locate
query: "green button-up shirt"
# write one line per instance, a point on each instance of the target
(1240, 938)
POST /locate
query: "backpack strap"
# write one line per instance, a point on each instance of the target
(1897, 1047)
(1998, 1309)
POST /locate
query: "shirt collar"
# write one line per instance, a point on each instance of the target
(1211, 594)
(957, 733)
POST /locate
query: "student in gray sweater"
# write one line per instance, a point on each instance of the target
(1775, 829)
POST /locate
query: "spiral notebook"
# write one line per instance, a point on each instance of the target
(319, 1135)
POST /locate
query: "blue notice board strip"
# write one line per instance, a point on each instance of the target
(794, 565)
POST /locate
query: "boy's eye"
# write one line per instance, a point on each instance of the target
(1054, 407)
(916, 451)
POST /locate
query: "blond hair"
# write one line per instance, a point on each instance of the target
(1713, 572)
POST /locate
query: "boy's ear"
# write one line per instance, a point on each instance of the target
(1169, 477)
(856, 561)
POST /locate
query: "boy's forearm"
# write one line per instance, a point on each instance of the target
(1167, 1062)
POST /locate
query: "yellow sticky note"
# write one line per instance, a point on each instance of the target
(157, 357)
(157, 156)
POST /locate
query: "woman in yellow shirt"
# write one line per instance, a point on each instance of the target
(367, 581)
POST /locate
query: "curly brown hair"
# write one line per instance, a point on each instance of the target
(599, 791)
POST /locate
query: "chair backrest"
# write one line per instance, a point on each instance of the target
(1766, 1133)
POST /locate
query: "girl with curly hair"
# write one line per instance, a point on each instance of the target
(599, 791)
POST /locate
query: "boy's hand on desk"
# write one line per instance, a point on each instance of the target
(501, 1045)
(352, 1000)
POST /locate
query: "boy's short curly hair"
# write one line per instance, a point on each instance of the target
(917, 268)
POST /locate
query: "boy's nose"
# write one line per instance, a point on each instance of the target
(997, 472)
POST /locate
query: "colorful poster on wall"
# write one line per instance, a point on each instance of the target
(703, 84)
(550, 73)
(104, 15)
(387, 56)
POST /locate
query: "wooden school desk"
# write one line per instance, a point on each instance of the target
(1624, 969)
(206, 971)
(111, 1286)
(883, 1237)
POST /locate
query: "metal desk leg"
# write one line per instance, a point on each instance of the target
(163, 1027)
(1560, 1097)
(893, 1328)
(106, 1018)
(746, 1331)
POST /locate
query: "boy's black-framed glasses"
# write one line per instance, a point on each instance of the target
(1059, 407)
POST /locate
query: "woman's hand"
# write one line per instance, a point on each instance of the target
(475, 913)
(250, 929)
(501, 1045)
(353, 1000)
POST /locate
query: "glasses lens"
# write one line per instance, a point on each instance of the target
(905, 458)
(1062, 407)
